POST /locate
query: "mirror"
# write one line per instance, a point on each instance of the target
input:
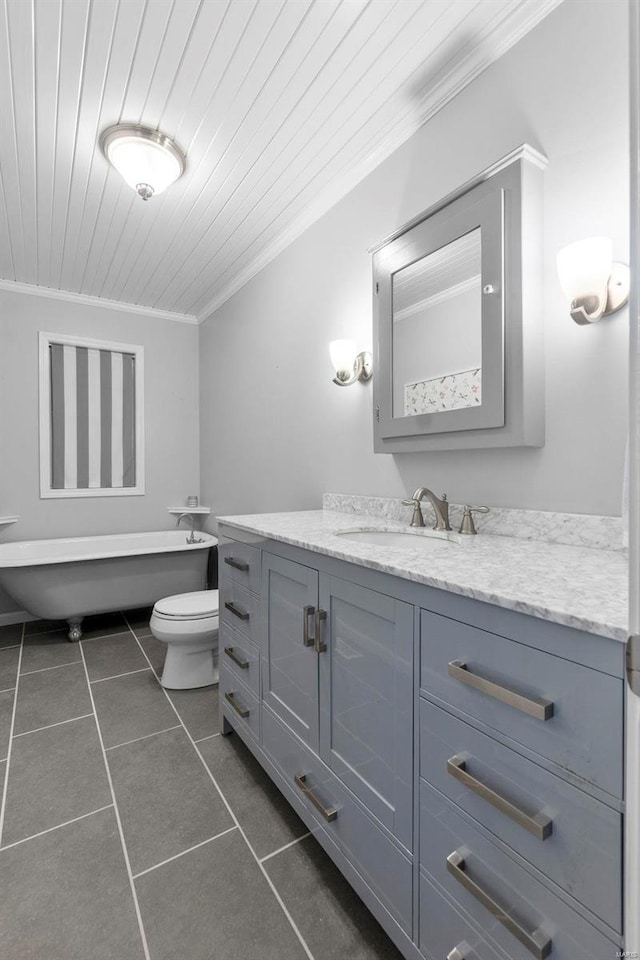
(437, 330)
(457, 345)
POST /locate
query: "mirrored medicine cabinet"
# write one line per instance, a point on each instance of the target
(458, 349)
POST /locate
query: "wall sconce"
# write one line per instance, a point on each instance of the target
(349, 365)
(595, 284)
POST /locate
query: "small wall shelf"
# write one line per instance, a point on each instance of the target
(194, 510)
(6, 520)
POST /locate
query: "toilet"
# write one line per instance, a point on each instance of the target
(188, 624)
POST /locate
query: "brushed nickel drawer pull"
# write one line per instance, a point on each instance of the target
(329, 813)
(539, 825)
(237, 564)
(236, 611)
(307, 612)
(537, 942)
(321, 616)
(533, 706)
(230, 652)
(456, 953)
(241, 711)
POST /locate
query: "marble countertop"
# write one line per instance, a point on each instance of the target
(576, 586)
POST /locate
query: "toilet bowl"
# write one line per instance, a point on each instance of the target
(188, 624)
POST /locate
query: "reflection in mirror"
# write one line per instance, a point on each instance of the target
(437, 330)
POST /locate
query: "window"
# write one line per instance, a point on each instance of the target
(91, 418)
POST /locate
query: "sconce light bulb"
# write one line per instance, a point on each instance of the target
(342, 354)
(349, 365)
(594, 285)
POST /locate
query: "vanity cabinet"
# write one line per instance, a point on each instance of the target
(462, 764)
(337, 670)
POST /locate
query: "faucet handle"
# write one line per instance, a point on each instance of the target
(467, 525)
(417, 520)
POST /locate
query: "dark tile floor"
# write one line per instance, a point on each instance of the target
(129, 828)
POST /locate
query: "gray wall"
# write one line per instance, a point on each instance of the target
(171, 420)
(276, 432)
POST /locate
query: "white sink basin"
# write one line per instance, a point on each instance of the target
(394, 538)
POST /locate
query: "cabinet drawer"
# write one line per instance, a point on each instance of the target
(239, 563)
(582, 848)
(456, 855)
(239, 704)
(445, 932)
(240, 610)
(379, 862)
(510, 687)
(241, 658)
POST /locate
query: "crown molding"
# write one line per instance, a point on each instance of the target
(32, 289)
(437, 298)
(522, 17)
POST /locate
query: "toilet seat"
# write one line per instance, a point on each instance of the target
(201, 605)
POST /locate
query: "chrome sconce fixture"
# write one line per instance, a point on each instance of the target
(146, 159)
(595, 284)
(349, 365)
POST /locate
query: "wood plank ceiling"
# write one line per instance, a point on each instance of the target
(280, 105)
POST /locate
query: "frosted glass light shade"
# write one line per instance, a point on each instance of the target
(342, 354)
(584, 268)
(146, 159)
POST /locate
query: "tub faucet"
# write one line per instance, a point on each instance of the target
(192, 536)
(440, 508)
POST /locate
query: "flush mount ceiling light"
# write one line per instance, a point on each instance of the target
(592, 280)
(146, 159)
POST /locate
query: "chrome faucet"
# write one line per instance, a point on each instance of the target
(440, 508)
(192, 536)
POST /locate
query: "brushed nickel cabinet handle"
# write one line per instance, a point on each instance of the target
(236, 611)
(457, 954)
(230, 652)
(329, 813)
(536, 941)
(539, 825)
(237, 564)
(307, 612)
(241, 711)
(533, 706)
(321, 616)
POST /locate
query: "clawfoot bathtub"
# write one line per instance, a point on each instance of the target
(68, 579)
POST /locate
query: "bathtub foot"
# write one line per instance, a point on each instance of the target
(75, 629)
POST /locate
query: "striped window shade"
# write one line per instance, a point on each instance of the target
(93, 417)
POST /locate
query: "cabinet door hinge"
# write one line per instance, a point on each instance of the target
(633, 663)
(377, 287)
(378, 412)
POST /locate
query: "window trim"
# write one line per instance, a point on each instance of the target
(46, 490)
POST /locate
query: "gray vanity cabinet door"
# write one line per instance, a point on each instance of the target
(366, 712)
(289, 668)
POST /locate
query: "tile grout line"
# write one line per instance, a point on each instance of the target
(9, 646)
(5, 787)
(48, 726)
(117, 676)
(287, 846)
(134, 894)
(56, 666)
(182, 853)
(65, 630)
(210, 737)
(156, 733)
(34, 836)
(105, 636)
(266, 876)
(7, 689)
